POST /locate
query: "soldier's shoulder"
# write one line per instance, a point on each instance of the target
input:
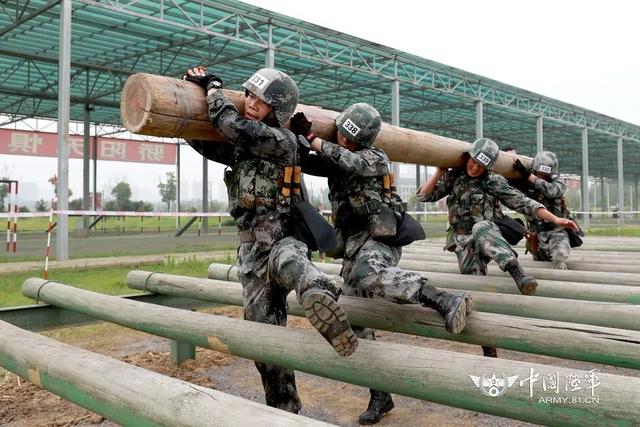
(374, 154)
(495, 179)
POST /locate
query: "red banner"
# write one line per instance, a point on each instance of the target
(43, 144)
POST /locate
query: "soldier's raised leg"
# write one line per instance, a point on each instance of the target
(490, 244)
(373, 271)
(317, 292)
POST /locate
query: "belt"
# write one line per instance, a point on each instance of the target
(246, 236)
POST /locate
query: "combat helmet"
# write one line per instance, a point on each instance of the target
(276, 89)
(359, 123)
(484, 152)
(546, 162)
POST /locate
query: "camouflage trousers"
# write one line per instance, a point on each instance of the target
(476, 250)
(553, 246)
(371, 272)
(267, 276)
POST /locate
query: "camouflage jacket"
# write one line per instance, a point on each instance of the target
(550, 194)
(355, 178)
(475, 199)
(256, 154)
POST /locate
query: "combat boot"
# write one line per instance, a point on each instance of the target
(325, 314)
(379, 404)
(526, 284)
(452, 307)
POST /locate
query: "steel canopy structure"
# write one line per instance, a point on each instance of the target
(111, 39)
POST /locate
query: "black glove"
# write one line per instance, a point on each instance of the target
(300, 125)
(303, 145)
(206, 82)
(521, 168)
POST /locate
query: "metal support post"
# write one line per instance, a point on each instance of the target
(585, 177)
(620, 184)
(270, 59)
(86, 165)
(539, 134)
(177, 185)
(479, 120)
(64, 108)
(205, 194)
(395, 113)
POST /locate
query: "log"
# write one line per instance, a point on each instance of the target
(527, 263)
(167, 107)
(433, 375)
(606, 278)
(596, 344)
(613, 315)
(127, 394)
(595, 258)
(503, 285)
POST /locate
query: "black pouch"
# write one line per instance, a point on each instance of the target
(383, 224)
(408, 231)
(511, 229)
(309, 226)
(575, 237)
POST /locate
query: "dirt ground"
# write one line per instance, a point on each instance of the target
(22, 404)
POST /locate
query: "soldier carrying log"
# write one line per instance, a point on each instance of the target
(276, 235)
(372, 226)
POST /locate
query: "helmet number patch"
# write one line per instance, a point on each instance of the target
(351, 127)
(545, 169)
(483, 158)
(259, 80)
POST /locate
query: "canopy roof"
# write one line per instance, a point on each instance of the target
(113, 38)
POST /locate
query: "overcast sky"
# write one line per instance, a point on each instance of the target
(580, 52)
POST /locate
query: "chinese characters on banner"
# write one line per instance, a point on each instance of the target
(42, 144)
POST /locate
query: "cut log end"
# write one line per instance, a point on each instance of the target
(135, 103)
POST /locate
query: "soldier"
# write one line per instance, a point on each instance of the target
(263, 165)
(475, 194)
(548, 242)
(367, 217)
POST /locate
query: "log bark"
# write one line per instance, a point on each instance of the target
(596, 344)
(613, 315)
(423, 373)
(527, 263)
(127, 394)
(164, 106)
(597, 277)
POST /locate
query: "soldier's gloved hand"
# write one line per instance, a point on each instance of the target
(521, 168)
(300, 125)
(206, 82)
(303, 145)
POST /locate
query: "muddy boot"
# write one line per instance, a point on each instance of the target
(489, 352)
(526, 284)
(379, 404)
(321, 308)
(452, 307)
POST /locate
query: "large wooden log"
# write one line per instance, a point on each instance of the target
(164, 106)
(613, 315)
(127, 394)
(503, 285)
(560, 339)
(607, 278)
(527, 263)
(434, 375)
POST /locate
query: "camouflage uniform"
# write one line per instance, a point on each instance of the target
(553, 241)
(270, 261)
(366, 214)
